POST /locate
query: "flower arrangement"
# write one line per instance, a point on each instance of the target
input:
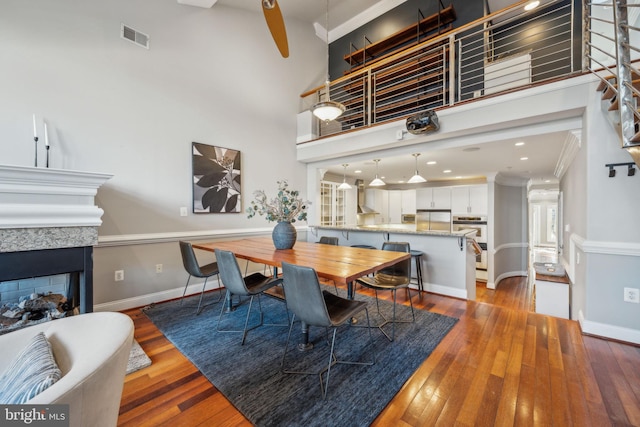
(287, 206)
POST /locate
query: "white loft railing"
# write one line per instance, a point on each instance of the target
(508, 49)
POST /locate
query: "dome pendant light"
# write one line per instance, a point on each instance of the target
(327, 110)
(344, 185)
(377, 182)
(416, 178)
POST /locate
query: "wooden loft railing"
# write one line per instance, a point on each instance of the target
(507, 49)
(410, 36)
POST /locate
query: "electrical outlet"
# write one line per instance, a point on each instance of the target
(158, 268)
(119, 275)
(632, 295)
(183, 211)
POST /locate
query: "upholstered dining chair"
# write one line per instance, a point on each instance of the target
(253, 285)
(196, 270)
(317, 307)
(327, 240)
(392, 278)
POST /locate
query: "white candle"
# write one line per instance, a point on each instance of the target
(46, 135)
(35, 130)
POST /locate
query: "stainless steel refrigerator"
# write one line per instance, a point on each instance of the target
(433, 220)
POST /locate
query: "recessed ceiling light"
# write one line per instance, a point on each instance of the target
(547, 181)
(524, 158)
(446, 171)
(458, 177)
(519, 144)
(531, 5)
(400, 182)
(469, 149)
(431, 162)
(357, 171)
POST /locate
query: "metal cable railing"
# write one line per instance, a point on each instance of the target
(610, 53)
(505, 50)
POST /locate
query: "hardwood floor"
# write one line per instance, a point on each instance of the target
(500, 365)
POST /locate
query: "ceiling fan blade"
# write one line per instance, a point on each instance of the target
(275, 22)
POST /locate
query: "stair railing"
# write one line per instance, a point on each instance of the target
(612, 55)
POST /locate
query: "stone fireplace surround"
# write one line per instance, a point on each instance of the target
(49, 225)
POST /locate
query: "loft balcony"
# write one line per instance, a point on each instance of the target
(504, 51)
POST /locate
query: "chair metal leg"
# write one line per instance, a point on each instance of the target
(325, 389)
(185, 289)
(198, 310)
(393, 319)
(324, 385)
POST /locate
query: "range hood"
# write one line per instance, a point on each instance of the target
(363, 209)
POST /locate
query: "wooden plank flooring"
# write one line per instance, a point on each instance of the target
(501, 365)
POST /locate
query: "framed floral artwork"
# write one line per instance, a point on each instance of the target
(216, 179)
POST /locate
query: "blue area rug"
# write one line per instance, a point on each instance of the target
(249, 376)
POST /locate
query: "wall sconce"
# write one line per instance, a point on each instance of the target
(631, 170)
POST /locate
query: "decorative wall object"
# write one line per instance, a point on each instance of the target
(216, 179)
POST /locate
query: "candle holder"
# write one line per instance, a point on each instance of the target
(47, 157)
(35, 161)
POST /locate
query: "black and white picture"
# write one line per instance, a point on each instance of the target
(216, 179)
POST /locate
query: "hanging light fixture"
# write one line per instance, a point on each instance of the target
(344, 185)
(327, 110)
(377, 182)
(416, 178)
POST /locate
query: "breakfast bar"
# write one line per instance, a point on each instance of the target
(448, 263)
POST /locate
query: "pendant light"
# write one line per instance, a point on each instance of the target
(344, 185)
(416, 178)
(327, 110)
(377, 182)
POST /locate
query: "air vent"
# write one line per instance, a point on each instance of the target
(134, 36)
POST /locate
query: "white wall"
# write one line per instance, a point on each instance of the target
(604, 239)
(212, 76)
(510, 239)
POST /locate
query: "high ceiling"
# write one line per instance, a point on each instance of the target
(502, 157)
(340, 11)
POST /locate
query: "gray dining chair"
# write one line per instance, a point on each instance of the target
(194, 269)
(327, 240)
(392, 278)
(253, 285)
(317, 307)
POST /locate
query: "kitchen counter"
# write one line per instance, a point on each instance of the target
(397, 228)
(448, 261)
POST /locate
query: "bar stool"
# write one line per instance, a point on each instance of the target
(417, 256)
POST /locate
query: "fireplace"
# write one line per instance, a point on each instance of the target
(48, 226)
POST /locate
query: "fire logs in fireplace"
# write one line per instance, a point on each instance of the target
(32, 309)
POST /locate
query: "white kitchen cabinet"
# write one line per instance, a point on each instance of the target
(378, 200)
(471, 199)
(433, 198)
(395, 206)
(332, 204)
(408, 202)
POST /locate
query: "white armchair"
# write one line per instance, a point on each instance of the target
(92, 351)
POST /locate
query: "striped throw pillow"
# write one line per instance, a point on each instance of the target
(32, 371)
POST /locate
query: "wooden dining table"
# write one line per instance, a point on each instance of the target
(342, 264)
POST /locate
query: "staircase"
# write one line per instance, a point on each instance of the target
(611, 60)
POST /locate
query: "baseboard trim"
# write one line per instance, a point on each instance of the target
(507, 275)
(603, 330)
(445, 290)
(156, 297)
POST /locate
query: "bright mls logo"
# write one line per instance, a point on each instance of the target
(34, 415)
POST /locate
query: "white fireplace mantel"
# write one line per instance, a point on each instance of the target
(48, 208)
